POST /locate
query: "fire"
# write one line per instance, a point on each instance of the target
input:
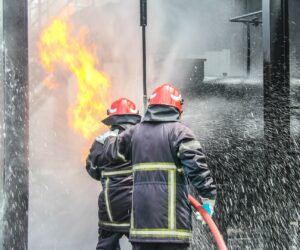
(60, 47)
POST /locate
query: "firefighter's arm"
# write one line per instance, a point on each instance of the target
(193, 160)
(118, 148)
(92, 163)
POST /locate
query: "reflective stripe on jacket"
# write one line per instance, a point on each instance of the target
(116, 196)
(163, 154)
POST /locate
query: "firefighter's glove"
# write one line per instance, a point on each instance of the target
(208, 205)
(103, 137)
(197, 214)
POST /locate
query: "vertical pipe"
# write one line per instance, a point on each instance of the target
(248, 49)
(276, 73)
(144, 68)
(143, 11)
(277, 121)
(14, 74)
(1, 124)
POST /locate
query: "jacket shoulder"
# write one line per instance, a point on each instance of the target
(179, 133)
(101, 138)
(179, 127)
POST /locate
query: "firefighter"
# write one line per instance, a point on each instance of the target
(165, 156)
(115, 198)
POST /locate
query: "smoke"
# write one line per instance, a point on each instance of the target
(179, 30)
(63, 198)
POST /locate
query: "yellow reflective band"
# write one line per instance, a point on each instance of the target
(171, 199)
(155, 164)
(171, 168)
(131, 219)
(121, 157)
(165, 166)
(160, 233)
(115, 173)
(114, 224)
(153, 167)
(107, 203)
(132, 210)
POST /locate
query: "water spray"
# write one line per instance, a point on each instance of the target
(211, 224)
(14, 124)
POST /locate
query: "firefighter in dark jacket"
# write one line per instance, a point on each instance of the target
(116, 179)
(165, 156)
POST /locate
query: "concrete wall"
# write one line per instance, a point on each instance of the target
(218, 62)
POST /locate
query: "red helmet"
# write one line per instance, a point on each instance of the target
(122, 106)
(167, 94)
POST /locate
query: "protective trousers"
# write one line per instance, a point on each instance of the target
(159, 246)
(108, 240)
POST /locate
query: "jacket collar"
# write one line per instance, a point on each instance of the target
(161, 113)
(121, 119)
(121, 127)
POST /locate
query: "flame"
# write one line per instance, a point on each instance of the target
(60, 47)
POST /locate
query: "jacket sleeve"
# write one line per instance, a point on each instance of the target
(93, 161)
(118, 148)
(193, 160)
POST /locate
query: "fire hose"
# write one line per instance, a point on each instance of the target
(211, 224)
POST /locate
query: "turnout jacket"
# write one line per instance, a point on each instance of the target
(163, 152)
(116, 178)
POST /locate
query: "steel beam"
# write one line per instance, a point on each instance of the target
(248, 49)
(245, 17)
(14, 84)
(276, 120)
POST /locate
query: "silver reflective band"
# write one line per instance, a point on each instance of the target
(166, 232)
(121, 157)
(115, 224)
(114, 173)
(101, 138)
(190, 145)
(91, 165)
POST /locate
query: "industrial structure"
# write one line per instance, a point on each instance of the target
(258, 170)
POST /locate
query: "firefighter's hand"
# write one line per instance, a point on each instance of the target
(208, 205)
(103, 137)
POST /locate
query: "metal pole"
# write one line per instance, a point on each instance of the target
(248, 49)
(14, 74)
(276, 73)
(277, 120)
(2, 123)
(143, 6)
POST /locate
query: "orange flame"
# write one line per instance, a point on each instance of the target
(59, 46)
